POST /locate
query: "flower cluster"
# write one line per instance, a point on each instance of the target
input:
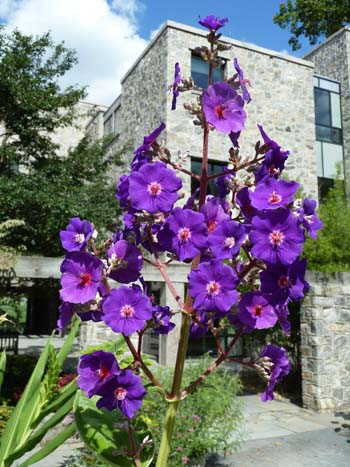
(244, 245)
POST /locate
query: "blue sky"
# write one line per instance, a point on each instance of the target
(108, 35)
(250, 21)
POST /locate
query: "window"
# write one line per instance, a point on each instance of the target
(200, 70)
(329, 137)
(213, 169)
(108, 126)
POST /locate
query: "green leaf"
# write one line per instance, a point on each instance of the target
(41, 432)
(50, 446)
(68, 343)
(2, 367)
(104, 433)
(14, 431)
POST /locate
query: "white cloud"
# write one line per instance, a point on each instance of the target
(105, 38)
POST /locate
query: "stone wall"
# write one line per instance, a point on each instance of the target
(332, 59)
(325, 342)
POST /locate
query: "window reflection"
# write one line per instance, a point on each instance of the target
(200, 71)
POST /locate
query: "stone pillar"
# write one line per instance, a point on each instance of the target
(325, 342)
(168, 343)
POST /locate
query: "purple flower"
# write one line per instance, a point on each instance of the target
(223, 108)
(244, 202)
(276, 237)
(143, 152)
(81, 276)
(125, 262)
(242, 81)
(213, 213)
(162, 317)
(223, 183)
(122, 193)
(275, 159)
(212, 285)
(212, 22)
(76, 235)
(285, 282)
(309, 219)
(126, 309)
(66, 312)
(225, 242)
(175, 85)
(95, 369)
(234, 138)
(154, 188)
(124, 392)
(275, 365)
(184, 234)
(282, 313)
(272, 193)
(256, 311)
(199, 326)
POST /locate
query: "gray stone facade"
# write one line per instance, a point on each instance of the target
(332, 60)
(282, 92)
(325, 342)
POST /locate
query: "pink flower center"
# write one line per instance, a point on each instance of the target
(273, 170)
(154, 188)
(211, 226)
(283, 282)
(85, 279)
(276, 237)
(213, 288)
(127, 311)
(184, 234)
(120, 394)
(258, 310)
(230, 242)
(102, 373)
(219, 111)
(274, 198)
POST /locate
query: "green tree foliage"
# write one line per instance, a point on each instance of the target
(312, 18)
(331, 253)
(32, 104)
(48, 195)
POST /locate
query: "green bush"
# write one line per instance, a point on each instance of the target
(330, 254)
(209, 420)
(5, 413)
(18, 371)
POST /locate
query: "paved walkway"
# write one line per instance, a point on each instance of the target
(282, 434)
(278, 434)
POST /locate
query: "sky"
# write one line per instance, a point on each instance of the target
(109, 35)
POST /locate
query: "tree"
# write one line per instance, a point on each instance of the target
(46, 196)
(312, 18)
(32, 104)
(329, 254)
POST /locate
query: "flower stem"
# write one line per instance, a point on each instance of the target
(164, 449)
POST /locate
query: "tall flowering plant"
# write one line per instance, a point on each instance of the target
(243, 245)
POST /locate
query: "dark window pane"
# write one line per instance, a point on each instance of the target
(324, 184)
(213, 169)
(328, 134)
(200, 70)
(322, 107)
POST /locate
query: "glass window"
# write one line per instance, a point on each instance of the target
(335, 108)
(330, 85)
(213, 169)
(108, 126)
(332, 159)
(200, 70)
(322, 107)
(319, 158)
(328, 134)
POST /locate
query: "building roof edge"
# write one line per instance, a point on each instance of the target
(330, 38)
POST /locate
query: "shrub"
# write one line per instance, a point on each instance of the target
(201, 426)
